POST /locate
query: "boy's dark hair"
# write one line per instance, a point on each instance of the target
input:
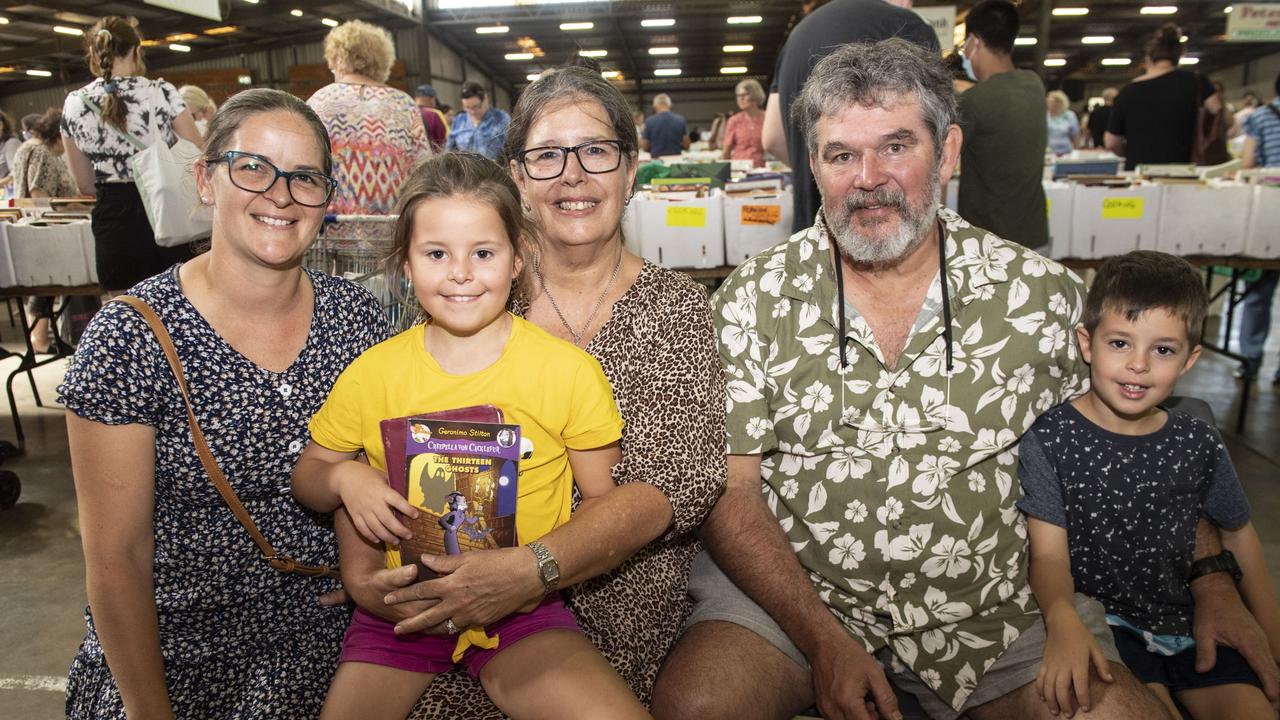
(996, 22)
(1133, 283)
(473, 90)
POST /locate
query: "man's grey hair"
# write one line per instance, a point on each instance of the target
(662, 100)
(874, 75)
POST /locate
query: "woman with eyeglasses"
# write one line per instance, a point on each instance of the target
(743, 131)
(97, 120)
(621, 561)
(186, 619)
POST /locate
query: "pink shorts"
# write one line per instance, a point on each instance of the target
(370, 639)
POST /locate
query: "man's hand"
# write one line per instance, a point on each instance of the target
(849, 684)
(1221, 618)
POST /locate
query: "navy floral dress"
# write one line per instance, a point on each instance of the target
(239, 639)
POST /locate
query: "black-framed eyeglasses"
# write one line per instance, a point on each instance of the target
(595, 157)
(257, 174)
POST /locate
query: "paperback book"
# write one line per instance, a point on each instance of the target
(460, 468)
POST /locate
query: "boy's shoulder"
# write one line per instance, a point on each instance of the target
(1051, 422)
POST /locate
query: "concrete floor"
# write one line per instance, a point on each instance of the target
(42, 591)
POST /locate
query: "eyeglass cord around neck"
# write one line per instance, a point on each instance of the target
(946, 296)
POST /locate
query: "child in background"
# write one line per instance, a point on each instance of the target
(459, 240)
(1114, 487)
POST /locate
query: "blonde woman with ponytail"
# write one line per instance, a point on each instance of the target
(96, 118)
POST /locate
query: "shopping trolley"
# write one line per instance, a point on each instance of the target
(355, 247)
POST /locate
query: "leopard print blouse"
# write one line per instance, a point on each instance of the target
(659, 352)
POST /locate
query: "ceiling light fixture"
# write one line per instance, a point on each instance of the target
(40, 73)
(658, 22)
(295, 12)
(1116, 61)
(593, 53)
(224, 30)
(577, 26)
(179, 47)
(1097, 39)
(739, 48)
(4, 21)
(1055, 62)
(1025, 41)
(64, 30)
(1071, 11)
(745, 20)
(610, 74)
(1185, 60)
(1158, 9)
(518, 56)
(532, 76)
(734, 70)
(330, 22)
(244, 79)
(666, 72)
(1226, 9)
(252, 2)
(492, 29)
(664, 51)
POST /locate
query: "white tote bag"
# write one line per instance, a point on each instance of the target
(165, 181)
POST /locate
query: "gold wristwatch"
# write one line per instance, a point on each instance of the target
(548, 568)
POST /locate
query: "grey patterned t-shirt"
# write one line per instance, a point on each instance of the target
(1130, 504)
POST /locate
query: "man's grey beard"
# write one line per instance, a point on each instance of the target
(911, 234)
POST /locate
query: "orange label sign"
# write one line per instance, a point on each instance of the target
(761, 214)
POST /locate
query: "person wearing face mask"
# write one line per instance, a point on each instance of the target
(1004, 131)
(202, 106)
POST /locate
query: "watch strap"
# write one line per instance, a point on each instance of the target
(548, 568)
(1222, 562)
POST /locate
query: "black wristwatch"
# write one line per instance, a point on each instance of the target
(1223, 562)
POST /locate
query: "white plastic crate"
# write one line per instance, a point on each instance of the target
(1262, 231)
(680, 232)
(1108, 221)
(1204, 219)
(47, 254)
(1059, 200)
(757, 222)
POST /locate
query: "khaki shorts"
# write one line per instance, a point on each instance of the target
(715, 597)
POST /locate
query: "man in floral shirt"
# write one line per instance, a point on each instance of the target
(881, 425)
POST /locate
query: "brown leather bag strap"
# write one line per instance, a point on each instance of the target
(280, 562)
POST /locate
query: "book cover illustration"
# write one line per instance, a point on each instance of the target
(462, 476)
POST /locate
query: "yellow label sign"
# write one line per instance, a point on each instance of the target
(686, 216)
(761, 214)
(1048, 206)
(1122, 208)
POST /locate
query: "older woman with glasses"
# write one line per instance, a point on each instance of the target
(742, 135)
(623, 562)
(185, 617)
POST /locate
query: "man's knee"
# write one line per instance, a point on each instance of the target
(722, 670)
(1125, 697)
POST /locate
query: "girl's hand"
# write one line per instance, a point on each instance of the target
(474, 589)
(371, 502)
(1063, 680)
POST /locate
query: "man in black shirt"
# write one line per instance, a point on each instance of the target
(1099, 116)
(820, 32)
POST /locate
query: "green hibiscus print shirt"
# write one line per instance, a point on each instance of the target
(897, 486)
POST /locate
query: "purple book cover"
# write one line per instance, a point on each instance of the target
(461, 474)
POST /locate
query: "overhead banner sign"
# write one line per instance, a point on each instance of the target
(1254, 22)
(942, 18)
(200, 8)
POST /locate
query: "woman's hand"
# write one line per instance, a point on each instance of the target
(1063, 680)
(474, 589)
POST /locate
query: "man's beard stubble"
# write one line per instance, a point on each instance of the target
(878, 254)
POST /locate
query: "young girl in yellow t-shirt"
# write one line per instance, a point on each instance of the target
(459, 241)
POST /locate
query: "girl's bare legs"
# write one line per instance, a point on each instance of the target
(373, 692)
(558, 675)
(1236, 701)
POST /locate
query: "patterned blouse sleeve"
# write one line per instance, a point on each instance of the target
(118, 374)
(675, 421)
(171, 98)
(417, 132)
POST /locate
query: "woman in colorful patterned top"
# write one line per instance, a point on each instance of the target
(376, 131)
(97, 119)
(38, 170)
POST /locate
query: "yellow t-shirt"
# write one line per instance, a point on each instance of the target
(556, 393)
